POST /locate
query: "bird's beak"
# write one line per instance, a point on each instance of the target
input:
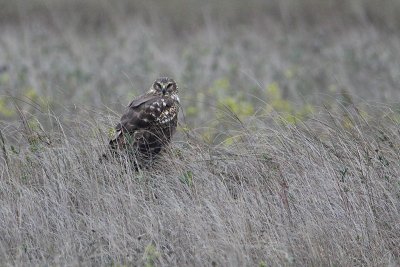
(164, 90)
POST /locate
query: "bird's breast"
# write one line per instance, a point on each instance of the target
(168, 115)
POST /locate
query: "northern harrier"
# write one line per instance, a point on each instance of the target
(149, 122)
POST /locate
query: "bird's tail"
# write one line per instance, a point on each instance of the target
(116, 142)
(113, 146)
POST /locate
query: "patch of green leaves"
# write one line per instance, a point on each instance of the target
(187, 178)
(150, 255)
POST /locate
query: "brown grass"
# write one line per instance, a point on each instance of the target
(325, 192)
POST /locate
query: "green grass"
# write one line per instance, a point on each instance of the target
(287, 152)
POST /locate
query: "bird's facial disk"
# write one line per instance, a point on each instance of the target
(165, 86)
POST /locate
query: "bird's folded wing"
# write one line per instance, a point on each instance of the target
(143, 112)
(141, 100)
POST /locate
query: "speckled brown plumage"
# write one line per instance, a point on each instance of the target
(149, 122)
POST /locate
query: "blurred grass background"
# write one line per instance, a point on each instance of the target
(288, 55)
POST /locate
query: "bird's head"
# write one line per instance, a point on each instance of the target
(164, 87)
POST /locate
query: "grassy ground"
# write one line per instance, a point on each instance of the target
(323, 192)
(287, 151)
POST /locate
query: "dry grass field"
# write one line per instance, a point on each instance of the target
(287, 152)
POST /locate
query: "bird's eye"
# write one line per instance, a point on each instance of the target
(170, 85)
(157, 86)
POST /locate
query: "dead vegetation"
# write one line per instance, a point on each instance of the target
(287, 153)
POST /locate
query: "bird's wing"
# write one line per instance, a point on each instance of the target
(141, 100)
(143, 112)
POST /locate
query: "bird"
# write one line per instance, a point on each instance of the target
(149, 122)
